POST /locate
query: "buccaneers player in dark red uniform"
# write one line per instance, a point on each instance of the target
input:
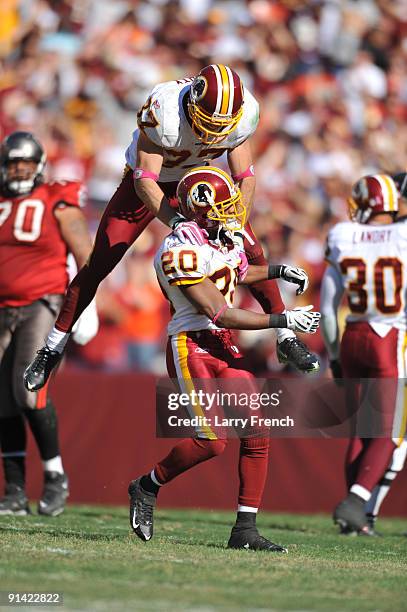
(39, 224)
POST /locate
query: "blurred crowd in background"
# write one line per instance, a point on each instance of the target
(331, 79)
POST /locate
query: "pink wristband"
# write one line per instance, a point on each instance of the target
(139, 173)
(219, 313)
(248, 172)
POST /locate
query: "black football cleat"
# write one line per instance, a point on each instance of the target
(295, 353)
(14, 501)
(350, 514)
(142, 504)
(347, 531)
(38, 372)
(370, 528)
(248, 538)
(54, 495)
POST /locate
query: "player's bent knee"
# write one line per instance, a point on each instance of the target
(212, 447)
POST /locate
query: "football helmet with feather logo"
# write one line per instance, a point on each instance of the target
(208, 196)
(372, 195)
(215, 102)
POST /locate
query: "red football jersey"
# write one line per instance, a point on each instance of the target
(32, 251)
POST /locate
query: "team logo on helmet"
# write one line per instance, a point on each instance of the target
(202, 194)
(371, 195)
(199, 87)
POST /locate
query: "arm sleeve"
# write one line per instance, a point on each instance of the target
(69, 193)
(331, 294)
(150, 118)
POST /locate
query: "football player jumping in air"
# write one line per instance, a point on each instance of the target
(199, 282)
(366, 258)
(39, 224)
(183, 124)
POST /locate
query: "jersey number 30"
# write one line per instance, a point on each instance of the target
(386, 278)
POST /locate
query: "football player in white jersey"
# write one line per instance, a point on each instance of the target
(366, 258)
(183, 124)
(399, 455)
(199, 282)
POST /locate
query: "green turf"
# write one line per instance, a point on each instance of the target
(90, 555)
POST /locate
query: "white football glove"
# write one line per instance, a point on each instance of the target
(297, 276)
(303, 319)
(86, 327)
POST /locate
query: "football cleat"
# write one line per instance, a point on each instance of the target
(347, 531)
(350, 514)
(38, 372)
(14, 501)
(248, 538)
(296, 354)
(52, 502)
(142, 505)
(369, 528)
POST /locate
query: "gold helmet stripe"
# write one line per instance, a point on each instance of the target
(390, 196)
(225, 90)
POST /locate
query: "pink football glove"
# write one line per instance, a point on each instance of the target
(189, 232)
(243, 267)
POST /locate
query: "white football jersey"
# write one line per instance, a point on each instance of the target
(371, 261)
(179, 264)
(165, 123)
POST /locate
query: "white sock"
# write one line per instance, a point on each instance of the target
(154, 479)
(57, 340)
(283, 333)
(53, 465)
(247, 509)
(379, 493)
(360, 492)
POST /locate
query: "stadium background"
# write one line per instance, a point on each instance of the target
(330, 77)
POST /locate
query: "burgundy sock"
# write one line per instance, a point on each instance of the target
(253, 464)
(185, 455)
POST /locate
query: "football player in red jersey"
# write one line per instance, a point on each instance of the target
(199, 282)
(183, 124)
(40, 223)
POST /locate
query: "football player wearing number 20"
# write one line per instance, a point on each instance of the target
(199, 282)
(366, 258)
(40, 223)
(183, 124)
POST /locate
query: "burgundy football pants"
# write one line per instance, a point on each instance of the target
(196, 358)
(365, 355)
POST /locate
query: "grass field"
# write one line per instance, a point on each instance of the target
(90, 556)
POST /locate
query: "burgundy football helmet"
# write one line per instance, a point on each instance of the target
(208, 196)
(372, 195)
(215, 102)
